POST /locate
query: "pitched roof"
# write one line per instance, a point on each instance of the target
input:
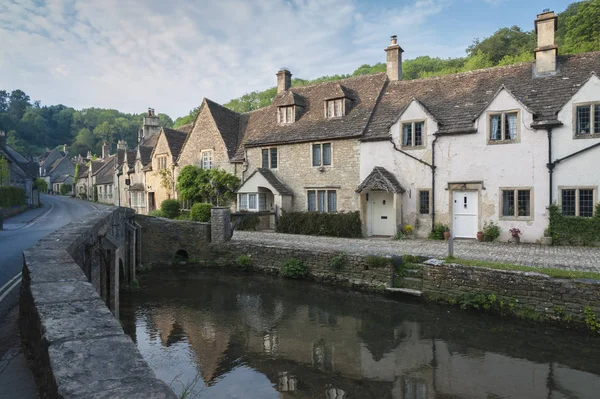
(62, 178)
(83, 171)
(228, 124)
(186, 128)
(381, 179)
(175, 140)
(131, 154)
(273, 180)
(289, 97)
(145, 147)
(456, 100)
(105, 174)
(29, 169)
(260, 126)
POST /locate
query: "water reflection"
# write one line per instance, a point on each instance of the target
(224, 336)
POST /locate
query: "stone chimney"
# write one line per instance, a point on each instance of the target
(150, 125)
(394, 60)
(105, 150)
(284, 80)
(65, 149)
(121, 145)
(88, 155)
(2, 139)
(547, 50)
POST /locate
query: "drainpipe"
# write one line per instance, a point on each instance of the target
(433, 182)
(550, 165)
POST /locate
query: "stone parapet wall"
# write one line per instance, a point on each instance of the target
(78, 347)
(551, 298)
(6, 213)
(355, 271)
(163, 238)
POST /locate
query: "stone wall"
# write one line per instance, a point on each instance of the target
(163, 238)
(79, 349)
(6, 213)
(355, 271)
(528, 292)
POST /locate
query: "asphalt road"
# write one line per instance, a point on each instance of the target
(23, 231)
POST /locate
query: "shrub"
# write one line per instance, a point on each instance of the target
(342, 224)
(378, 261)
(249, 223)
(184, 216)
(491, 231)
(573, 229)
(438, 232)
(337, 262)
(65, 189)
(170, 208)
(200, 212)
(41, 185)
(244, 262)
(293, 268)
(157, 213)
(11, 196)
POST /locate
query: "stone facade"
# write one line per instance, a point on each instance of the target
(79, 348)
(153, 177)
(554, 298)
(294, 168)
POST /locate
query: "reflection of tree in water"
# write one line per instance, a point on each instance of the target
(380, 339)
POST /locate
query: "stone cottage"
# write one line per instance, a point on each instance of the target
(22, 172)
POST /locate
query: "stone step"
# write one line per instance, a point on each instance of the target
(411, 282)
(405, 291)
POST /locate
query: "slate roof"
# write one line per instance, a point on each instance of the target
(62, 178)
(273, 180)
(136, 187)
(260, 127)
(289, 97)
(381, 179)
(131, 154)
(456, 100)
(228, 124)
(29, 169)
(83, 171)
(146, 146)
(186, 128)
(175, 140)
(105, 174)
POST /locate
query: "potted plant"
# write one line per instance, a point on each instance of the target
(480, 235)
(515, 234)
(547, 238)
(447, 234)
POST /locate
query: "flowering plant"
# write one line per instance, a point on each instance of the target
(515, 232)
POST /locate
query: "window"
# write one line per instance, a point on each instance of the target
(424, 204)
(413, 134)
(109, 191)
(321, 154)
(269, 158)
(286, 114)
(335, 108)
(587, 119)
(253, 202)
(322, 201)
(207, 159)
(516, 203)
(504, 127)
(162, 163)
(577, 201)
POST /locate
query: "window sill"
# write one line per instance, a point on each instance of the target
(583, 136)
(496, 142)
(516, 219)
(412, 147)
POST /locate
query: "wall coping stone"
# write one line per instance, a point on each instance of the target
(79, 348)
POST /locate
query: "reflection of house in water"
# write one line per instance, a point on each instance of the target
(342, 353)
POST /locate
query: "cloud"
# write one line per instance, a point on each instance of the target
(169, 55)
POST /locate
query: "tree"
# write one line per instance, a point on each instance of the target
(506, 41)
(582, 27)
(18, 103)
(207, 185)
(41, 185)
(4, 171)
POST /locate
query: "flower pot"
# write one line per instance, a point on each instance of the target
(546, 240)
(516, 239)
(480, 236)
(446, 235)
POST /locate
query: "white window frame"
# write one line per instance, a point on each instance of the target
(412, 124)
(245, 198)
(326, 205)
(270, 157)
(577, 188)
(337, 112)
(203, 161)
(515, 215)
(503, 133)
(592, 133)
(285, 118)
(321, 165)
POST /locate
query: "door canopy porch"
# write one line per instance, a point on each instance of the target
(380, 179)
(265, 178)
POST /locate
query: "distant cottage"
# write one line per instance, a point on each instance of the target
(498, 144)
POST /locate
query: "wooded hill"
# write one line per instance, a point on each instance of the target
(32, 127)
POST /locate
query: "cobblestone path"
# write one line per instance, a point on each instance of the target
(562, 257)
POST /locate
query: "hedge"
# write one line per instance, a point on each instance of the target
(11, 196)
(575, 230)
(170, 208)
(200, 212)
(343, 224)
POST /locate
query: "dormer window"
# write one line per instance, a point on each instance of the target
(285, 114)
(335, 108)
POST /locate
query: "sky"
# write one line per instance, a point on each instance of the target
(134, 54)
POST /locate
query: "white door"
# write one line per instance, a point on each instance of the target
(464, 214)
(382, 213)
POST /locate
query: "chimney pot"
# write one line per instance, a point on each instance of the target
(394, 39)
(284, 80)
